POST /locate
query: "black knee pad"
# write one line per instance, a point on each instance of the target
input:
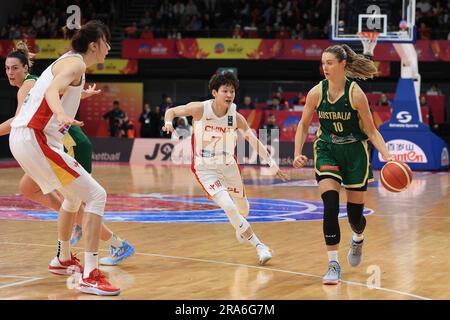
(355, 217)
(331, 229)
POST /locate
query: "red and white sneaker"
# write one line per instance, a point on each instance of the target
(97, 284)
(65, 267)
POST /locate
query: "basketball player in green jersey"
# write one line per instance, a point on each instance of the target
(17, 66)
(340, 151)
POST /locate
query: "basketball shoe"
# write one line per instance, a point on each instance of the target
(65, 267)
(117, 254)
(77, 232)
(333, 275)
(264, 253)
(97, 284)
(355, 253)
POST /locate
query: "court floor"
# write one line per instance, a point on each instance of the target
(186, 249)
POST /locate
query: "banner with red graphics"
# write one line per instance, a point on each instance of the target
(218, 48)
(6, 46)
(149, 49)
(226, 48)
(130, 96)
(114, 66)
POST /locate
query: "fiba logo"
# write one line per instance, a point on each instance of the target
(404, 117)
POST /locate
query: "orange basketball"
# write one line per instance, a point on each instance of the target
(396, 176)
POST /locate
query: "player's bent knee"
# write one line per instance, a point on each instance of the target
(71, 205)
(97, 201)
(355, 217)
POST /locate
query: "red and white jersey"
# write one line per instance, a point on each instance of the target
(35, 112)
(214, 138)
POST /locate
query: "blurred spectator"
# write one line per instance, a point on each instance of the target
(4, 34)
(282, 33)
(131, 31)
(247, 103)
(276, 104)
(115, 117)
(267, 33)
(251, 31)
(195, 24)
(146, 20)
(147, 33)
(270, 126)
(423, 5)
(434, 90)
(167, 103)
(182, 128)
(126, 128)
(423, 101)
(157, 121)
(190, 9)
(39, 21)
(424, 32)
(237, 32)
(383, 102)
(299, 100)
(146, 123)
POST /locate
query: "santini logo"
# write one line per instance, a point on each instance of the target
(404, 117)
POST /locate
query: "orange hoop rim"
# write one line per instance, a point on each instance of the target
(371, 35)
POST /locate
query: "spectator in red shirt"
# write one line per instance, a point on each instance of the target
(147, 33)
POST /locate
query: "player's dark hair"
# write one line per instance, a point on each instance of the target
(358, 66)
(92, 31)
(22, 53)
(226, 79)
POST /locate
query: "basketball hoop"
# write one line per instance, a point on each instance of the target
(369, 41)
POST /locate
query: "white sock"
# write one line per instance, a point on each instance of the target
(357, 237)
(90, 263)
(63, 252)
(115, 241)
(333, 256)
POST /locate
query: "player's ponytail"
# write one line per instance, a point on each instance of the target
(358, 66)
(22, 53)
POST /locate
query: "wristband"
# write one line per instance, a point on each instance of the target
(168, 122)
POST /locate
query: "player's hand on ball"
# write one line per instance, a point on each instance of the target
(300, 161)
(388, 157)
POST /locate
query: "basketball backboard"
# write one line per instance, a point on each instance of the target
(394, 20)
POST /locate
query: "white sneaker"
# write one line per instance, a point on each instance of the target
(264, 253)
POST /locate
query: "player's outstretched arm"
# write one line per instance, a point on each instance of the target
(258, 146)
(192, 109)
(312, 99)
(362, 105)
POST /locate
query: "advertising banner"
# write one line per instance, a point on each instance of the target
(408, 139)
(285, 49)
(114, 66)
(149, 49)
(50, 48)
(111, 149)
(130, 96)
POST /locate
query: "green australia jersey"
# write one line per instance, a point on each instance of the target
(30, 77)
(339, 120)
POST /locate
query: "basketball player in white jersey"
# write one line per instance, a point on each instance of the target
(214, 138)
(36, 143)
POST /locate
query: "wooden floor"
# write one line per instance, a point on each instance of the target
(407, 241)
